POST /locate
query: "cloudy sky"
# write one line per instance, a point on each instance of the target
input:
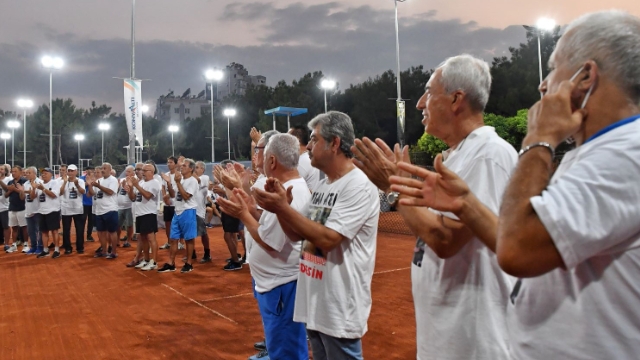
(177, 41)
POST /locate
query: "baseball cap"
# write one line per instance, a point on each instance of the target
(72, 167)
(47, 170)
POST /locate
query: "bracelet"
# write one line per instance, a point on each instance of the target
(543, 144)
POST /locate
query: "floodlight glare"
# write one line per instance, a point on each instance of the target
(213, 75)
(25, 103)
(79, 137)
(13, 124)
(104, 126)
(173, 128)
(328, 84)
(546, 24)
(229, 112)
(5, 136)
(144, 108)
(52, 62)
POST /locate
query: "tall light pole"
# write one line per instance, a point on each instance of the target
(51, 63)
(399, 101)
(103, 127)
(13, 125)
(4, 136)
(327, 84)
(78, 138)
(172, 129)
(24, 104)
(228, 113)
(543, 24)
(213, 75)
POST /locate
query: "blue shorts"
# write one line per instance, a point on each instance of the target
(107, 222)
(184, 226)
(285, 338)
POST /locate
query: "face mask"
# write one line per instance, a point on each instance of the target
(586, 98)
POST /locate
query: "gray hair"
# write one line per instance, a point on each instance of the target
(610, 38)
(286, 149)
(469, 74)
(201, 164)
(335, 124)
(34, 169)
(192, 163)
(267, 136)
(129, 167)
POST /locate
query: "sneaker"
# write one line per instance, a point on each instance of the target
(187, 268)
(262, 355)
(141, 264)
(68, 252)
(38, 250)
(180, 246)
(205, 260)
(167, 267)
(90, 239)
(165, 246)
(135, 237)
(43, 254)
(31, 251)
(133, 263)
(124, 238)
(80, 252)
(6, 247)
(260, 345)
(52, 246)
(13, 248)
(111, 256)
(56, 254)
(126, 245)
(99, 255)
(232, 266)
(98, 250)
(209, 226)
(26, 249)
(151, 265)
(18, 242)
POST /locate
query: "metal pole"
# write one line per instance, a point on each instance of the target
(228, 141)
(172, 151)
(398, 82)
(131, 155)
(213, 152)
(24, 141)
(102, 151)
(539, 59)
(13, 142)
(325, 100)
(274, 121)
(80, 161)
(5, 151)
(50, 118)
(289, 121)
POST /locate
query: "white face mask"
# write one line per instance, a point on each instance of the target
(586, 98)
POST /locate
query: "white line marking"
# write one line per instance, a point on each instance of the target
(138, 272)
(197, 303)
(227, 297)
(388, 271)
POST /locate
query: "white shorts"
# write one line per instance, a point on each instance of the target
(17, 218)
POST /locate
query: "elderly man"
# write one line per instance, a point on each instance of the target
(310, 174)
(16, 195)
(71, 190)
(201, 211)
(32, 206)
(460, 293)
(169, 196)
(48, 194)
(275, 259)
(125, 207)
(184, 225)
(5, 169)
(146, 194)
(87, 204)
(105, 190)
(574, 233)
(339, 246)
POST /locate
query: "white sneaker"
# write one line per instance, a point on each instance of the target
(13, 248)
(165, 246)
(25, 249)
(180, 246)
(141, 264)
(151, 265)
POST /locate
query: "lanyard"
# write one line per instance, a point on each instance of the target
(613, 126)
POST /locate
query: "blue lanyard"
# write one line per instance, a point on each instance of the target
(615, 125)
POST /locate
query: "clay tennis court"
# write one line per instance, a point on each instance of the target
(78, 307)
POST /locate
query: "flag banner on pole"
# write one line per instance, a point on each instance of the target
(400, 110)
(132, 104)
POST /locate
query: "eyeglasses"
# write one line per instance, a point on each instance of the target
(146, 170)
(257, 149)
(139, 169)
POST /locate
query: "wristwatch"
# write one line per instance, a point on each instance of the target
(392, 198)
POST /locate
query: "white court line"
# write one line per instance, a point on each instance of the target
(199, 304)
(388, 271)
(227, 297)
(138, 272)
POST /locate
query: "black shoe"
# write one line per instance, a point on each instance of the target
(52, 246)
(243, 259)
(56, 254)
(109, 250)
(187, 268)
(80, 252)
(90, 239)
(98, 250)
(260, 345)
(167, 267)
(205, 260)
(68, 252)
(43, 254)
(232, 266)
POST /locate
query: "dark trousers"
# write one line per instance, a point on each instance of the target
(78, 220)
(88, 217)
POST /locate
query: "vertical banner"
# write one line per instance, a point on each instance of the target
(132, 104)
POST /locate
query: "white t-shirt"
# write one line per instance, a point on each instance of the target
(4, 201)
(31, 205)
(260, 182)
(172, 201)
(106, 203)
(144, 206)
(271, 269)
(71, 200)
(461, 302)
(334, 289)
(48, 204)
(591, 210)
(310, 174)
(189, 185)
(201, 196)
(123, 197)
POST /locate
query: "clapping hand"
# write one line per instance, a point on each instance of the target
(178, 177)
(255, 135)
(274, 197)
(235, 206)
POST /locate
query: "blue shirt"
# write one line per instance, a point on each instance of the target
(86, 199)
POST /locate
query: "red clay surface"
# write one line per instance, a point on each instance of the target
(78, 307)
